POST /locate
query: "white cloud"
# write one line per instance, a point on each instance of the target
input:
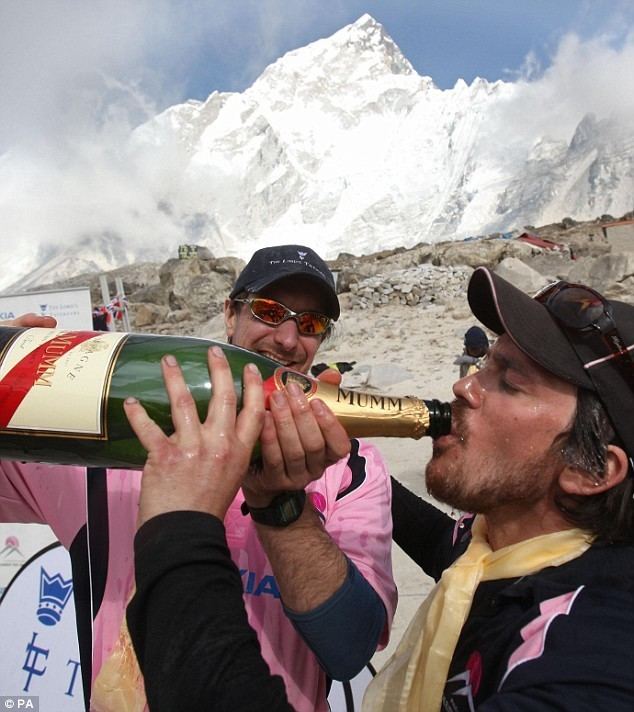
(58, 57)
(591, 76)
(75, 77)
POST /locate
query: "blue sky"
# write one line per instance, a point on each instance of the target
(70, 68)
(444, 39)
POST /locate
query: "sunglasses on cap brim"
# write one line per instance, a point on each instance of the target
(585, 316)
(584, 311)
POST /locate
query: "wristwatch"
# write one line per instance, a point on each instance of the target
(283, 510)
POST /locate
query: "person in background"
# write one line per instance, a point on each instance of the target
(534, 606)
(476, 347)
(309, 530)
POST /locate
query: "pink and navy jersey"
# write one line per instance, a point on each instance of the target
(95, 518)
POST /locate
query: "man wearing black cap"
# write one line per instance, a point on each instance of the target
(310, 530)
(334, 579)
(534, 609)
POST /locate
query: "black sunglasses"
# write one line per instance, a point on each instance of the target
(272, 313)
(580, 309)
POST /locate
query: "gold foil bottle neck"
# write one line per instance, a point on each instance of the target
(364, 414)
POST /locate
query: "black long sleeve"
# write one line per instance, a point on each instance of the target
(188, 624)
(422, 531)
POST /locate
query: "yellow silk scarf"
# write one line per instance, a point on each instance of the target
(413, 679)
(119, 684)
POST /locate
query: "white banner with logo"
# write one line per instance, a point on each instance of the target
(38, 644)
(39, 654)
(71, 307)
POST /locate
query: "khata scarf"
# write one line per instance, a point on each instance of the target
(119, 684)
(413, 679)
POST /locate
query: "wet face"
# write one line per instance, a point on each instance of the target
(504, 448)
(282, 343)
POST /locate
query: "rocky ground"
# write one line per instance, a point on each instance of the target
(183, 295)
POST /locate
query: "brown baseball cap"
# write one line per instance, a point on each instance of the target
(577, 357)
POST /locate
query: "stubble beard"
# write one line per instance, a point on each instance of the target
(482, 483)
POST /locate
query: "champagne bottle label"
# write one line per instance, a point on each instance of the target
(283, 376)
(56, 382)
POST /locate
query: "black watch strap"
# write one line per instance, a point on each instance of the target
(284, 509)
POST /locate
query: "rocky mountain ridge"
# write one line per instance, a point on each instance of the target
(185, 296)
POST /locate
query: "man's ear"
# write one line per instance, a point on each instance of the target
(574, 480)
(230, 318)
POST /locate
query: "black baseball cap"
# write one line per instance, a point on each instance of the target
(504, 309)
(271, 264)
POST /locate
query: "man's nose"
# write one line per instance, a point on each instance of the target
(287, 334)
(469, 389)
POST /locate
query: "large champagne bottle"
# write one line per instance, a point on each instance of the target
(62, 393)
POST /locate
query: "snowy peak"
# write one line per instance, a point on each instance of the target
(366, 35)
(182, 124)
(342, 146)
(587, 131)
(360, 52)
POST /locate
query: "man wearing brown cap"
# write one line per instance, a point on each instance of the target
(534, 609)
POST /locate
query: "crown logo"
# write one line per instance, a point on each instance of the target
(54, 595)
(301, 254)
(92, 346)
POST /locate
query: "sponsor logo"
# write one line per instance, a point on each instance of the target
(32, 661)
(11, 548)
(54, 595)
(461, 689)
(255, 585)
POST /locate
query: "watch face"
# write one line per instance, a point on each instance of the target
(283, 510)
(290, 509)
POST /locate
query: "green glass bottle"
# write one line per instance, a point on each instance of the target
(62, 393)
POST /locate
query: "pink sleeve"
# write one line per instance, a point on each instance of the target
(44, 494)
(359, 518)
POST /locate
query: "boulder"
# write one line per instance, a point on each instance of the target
(195, 285)
(473, 253)
(143, 316)
(521, 275)
(611, 274)
(154, 293)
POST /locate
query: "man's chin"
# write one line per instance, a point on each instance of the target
(443, 478)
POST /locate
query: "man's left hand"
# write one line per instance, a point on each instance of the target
(299, 440)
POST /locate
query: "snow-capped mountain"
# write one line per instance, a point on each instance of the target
(342, 146)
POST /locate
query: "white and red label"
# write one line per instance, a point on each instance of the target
(56, 382)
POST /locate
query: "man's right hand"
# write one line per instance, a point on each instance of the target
(200, 466)
(31, 320)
